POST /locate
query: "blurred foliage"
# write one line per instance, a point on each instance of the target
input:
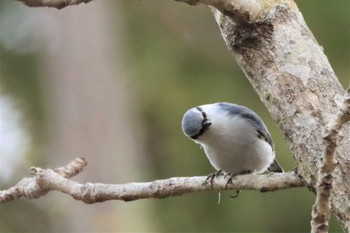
(177, 60)
(20, 80)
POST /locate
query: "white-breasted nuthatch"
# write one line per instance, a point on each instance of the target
(234, 138)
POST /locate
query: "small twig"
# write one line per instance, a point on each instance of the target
(59, 4)
(45, 180)
(321, 208)
(72, 169)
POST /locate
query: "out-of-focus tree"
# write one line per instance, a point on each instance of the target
(87, 110)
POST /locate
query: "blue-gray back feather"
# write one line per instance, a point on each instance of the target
(245, 112)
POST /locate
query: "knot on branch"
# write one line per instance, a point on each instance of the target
(87, 194)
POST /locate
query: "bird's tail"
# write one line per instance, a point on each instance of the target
(275, 167)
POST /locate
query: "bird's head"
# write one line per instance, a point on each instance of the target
(195, 123)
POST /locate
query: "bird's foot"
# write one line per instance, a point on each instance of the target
(211, 177)
(230, 176)
(229, 180)
(238, 191)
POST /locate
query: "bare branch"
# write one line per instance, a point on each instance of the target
(59, 4)
(236, 10)
(29, 188)
(45, 180)
(321, 208)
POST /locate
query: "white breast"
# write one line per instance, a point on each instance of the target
(232, 145)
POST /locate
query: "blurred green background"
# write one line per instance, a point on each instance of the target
(110, 81)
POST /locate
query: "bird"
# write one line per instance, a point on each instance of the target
(234, 138)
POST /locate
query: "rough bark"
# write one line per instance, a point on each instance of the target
(293, 77)
(321, 208)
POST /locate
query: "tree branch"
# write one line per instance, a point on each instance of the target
(321, 208)
(29, 187)
(237, 10)
(293, 78)
(46, 180)
(59, 4)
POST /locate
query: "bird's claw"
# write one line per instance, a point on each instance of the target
(211, 177)
(231, 176)
(229, 180)
(237, 194)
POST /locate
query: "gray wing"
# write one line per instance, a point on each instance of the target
(250, 115)
(262, 131)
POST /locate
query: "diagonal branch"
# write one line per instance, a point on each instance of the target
(321, 208)
(46, 180)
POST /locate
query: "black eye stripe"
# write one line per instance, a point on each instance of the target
(205, 124)
(203, 113)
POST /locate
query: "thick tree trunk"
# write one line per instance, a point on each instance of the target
(293, 77)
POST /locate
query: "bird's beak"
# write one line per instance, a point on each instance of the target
(206, 124)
